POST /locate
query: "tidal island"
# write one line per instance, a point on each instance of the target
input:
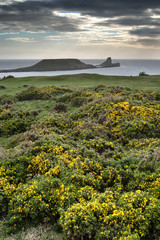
(62, 64)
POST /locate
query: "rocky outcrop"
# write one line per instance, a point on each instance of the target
(62, 64)
(108, 63)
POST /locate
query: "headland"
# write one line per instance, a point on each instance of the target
(61, 65)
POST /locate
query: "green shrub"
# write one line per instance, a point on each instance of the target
(34, 93)
(7, 99)
(60, 107)
(143, 74)
(78, 101)
(34, 201)
(106, 217)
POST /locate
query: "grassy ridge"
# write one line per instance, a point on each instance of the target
(80, 159)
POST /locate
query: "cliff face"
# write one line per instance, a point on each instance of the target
(62, 64)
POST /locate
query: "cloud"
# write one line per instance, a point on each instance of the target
(6, 2)
(35, 19)
(129, 19)
(146, 31)
(73, 15)
(20, 39)
(147, 42)
(8, 33)
(53, 38)
(52, 14)
(103, 8)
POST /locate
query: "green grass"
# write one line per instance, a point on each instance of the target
(3, 141)
(41, 106)
(16, 85)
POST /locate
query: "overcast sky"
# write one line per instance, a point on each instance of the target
(80, 29)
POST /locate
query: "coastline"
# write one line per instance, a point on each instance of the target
(128, 67)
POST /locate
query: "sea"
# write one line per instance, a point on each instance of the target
(128, 67)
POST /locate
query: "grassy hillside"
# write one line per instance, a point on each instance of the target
(80, 158)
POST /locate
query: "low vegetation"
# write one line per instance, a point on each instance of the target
(143, 74)
(80, 163)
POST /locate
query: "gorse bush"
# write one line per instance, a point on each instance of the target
(35, 200)
(60, 107)
(106, 216)
(34, 93)
(13, 122)
(91, 164)
(78, 101)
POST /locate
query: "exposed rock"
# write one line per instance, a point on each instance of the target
(108, 63)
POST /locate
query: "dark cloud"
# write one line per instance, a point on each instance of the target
(28, 17)
(130, 21)
(146, 32)
(35, 15)
(148, 42)
(92, 7)
(107, 8)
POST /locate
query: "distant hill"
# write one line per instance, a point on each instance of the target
(60, 65)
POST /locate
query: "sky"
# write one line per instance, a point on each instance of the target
(84, 29)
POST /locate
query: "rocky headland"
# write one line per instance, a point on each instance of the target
(108, 63)
(62, 64)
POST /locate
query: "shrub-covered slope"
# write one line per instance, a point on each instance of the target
(87, 161)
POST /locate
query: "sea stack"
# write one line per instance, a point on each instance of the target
(108, 63)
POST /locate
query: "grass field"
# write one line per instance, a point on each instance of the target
(81, 80)
(80, 158)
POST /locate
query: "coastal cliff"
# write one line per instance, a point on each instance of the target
(62, 64)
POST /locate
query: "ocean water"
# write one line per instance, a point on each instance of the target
(128, 67)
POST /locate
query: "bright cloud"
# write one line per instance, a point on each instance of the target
(73, 15)
(20, 39)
